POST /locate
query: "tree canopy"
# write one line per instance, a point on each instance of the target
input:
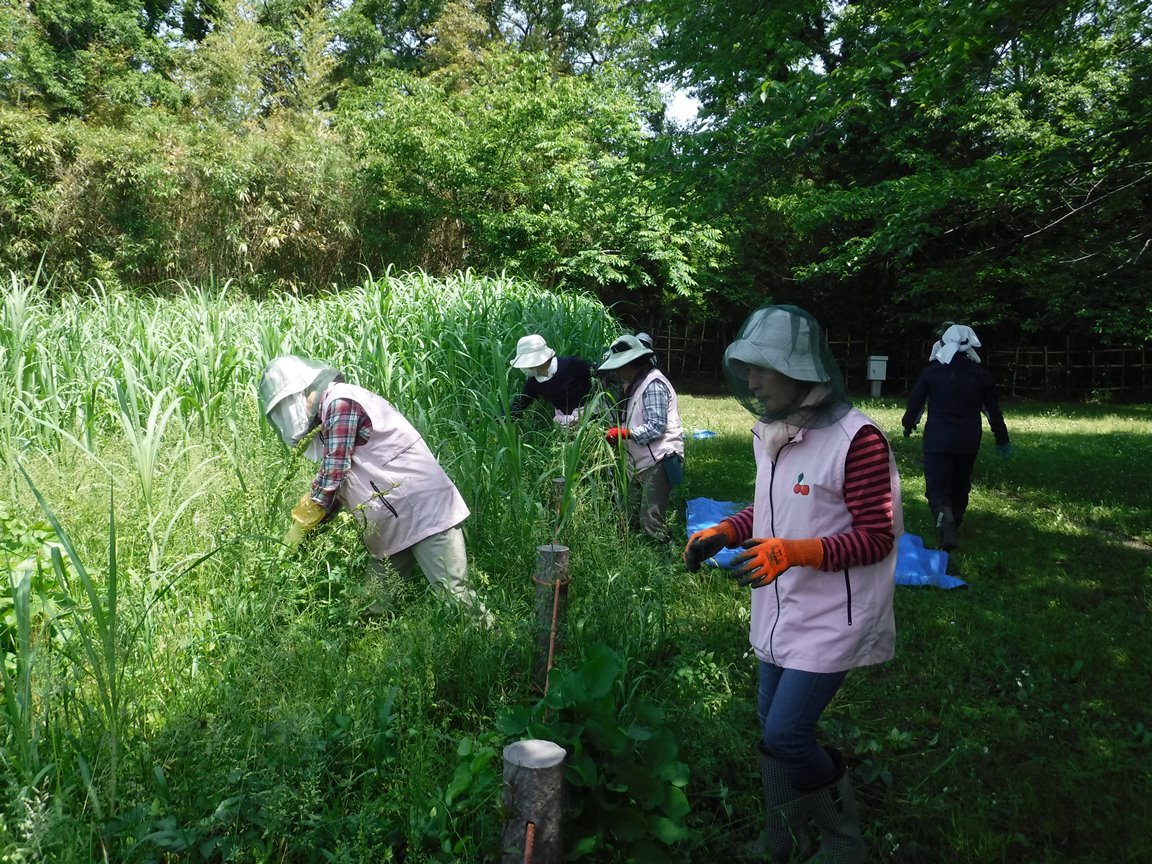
(922, 161)
(978, 160)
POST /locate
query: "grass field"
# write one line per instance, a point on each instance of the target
(1012, 725)
(177, 688)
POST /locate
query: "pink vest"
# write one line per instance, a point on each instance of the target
(395, 487)
(809, 619)
(672, 441)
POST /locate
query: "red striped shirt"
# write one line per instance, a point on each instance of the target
(868, 497)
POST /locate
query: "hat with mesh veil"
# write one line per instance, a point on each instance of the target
(787, 340)
(284, 391)
(622, 352)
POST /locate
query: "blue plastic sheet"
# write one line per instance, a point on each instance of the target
(916, 565)
(704, 513)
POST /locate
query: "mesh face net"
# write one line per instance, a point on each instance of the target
(788, 340)
(285, 390)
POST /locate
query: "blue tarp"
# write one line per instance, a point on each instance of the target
(704, 513)
(915, 565)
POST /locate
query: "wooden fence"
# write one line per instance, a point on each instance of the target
(692, 354)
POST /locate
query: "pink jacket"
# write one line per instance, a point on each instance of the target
(809, 619)
(672, 441)
(395, 487)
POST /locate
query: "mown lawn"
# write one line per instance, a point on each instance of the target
(1013, 724)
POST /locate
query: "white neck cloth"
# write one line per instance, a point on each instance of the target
(552, 366)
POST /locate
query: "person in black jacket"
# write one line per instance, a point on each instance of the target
(957, 391)
(564, 382)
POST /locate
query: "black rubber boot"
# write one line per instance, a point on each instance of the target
(834, 809)
(946, 536)
(785, 836)
(952, 566)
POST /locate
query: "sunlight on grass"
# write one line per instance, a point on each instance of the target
(256, 698)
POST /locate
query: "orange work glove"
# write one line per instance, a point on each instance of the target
(707, 542)
(768, 558)
(615, 434)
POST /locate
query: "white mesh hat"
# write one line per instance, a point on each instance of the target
(284, 389)
(532, 351)
(788, 340)
(774, 338)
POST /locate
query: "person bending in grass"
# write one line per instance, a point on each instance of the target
(378, 467)
(819, 546)
(564, 382)
(649, 426)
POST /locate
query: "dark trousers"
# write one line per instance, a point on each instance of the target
(948, 480)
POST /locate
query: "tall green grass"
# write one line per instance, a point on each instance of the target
(154, 399)
(178, 688)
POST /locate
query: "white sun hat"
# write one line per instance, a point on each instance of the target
(775, 337)
(284, 388)
(623, 351)
(532, 351)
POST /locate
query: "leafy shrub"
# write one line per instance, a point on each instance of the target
(623, 767)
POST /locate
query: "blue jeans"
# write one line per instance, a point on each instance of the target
(790, 704)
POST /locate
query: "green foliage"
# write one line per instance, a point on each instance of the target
(507, 165)
(575, 36)
(157, 197)
(26, 548)
(493, 160)
(68, 58)
(623, 759)
(33, 612)
(206, 695)
(983, 161)
(974, 159)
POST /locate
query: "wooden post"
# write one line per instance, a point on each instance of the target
(551, 606)
(534, 802)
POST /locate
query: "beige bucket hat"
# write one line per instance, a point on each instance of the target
(532, 351)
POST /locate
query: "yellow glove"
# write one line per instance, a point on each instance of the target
(767, 558)
(306, 515)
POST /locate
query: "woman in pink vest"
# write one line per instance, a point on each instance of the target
(820, 556)
(376, 465)
(650, 427)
